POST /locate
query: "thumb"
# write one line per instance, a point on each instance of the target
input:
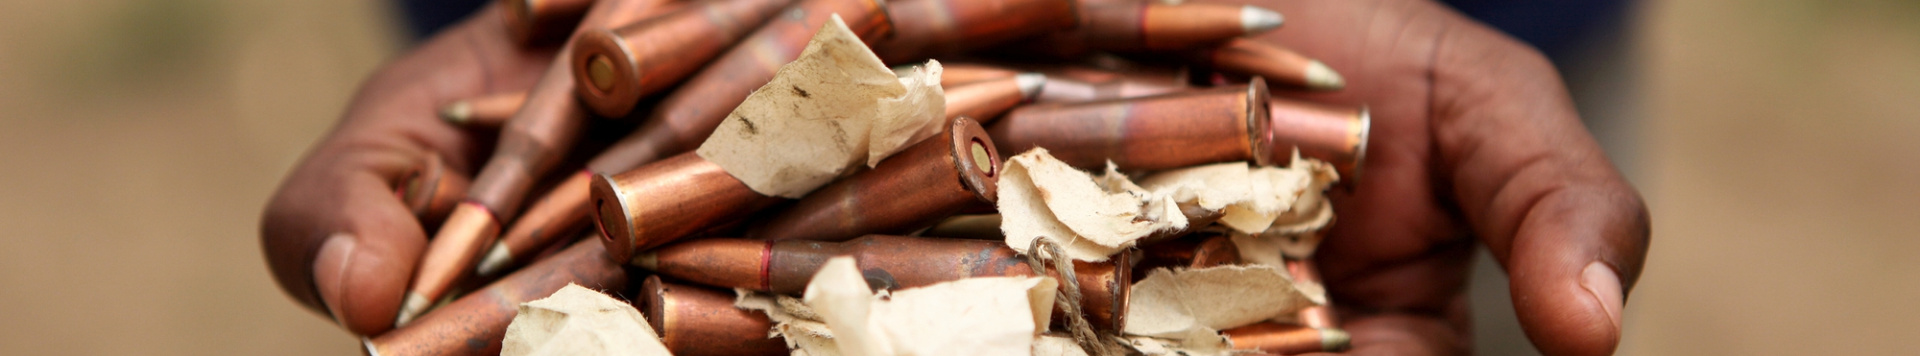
(340, 240)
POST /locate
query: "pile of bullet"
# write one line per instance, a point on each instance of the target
(1143, 84)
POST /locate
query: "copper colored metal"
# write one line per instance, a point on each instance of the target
(1069, 90)
(1251, 57)
(972, 226)
(1329, 133)
(475, 323)
(668, 200)
(532, 22)
(954, 74)
(1197, 251)
(489, 111)
(684, 119)
(458, 245)
(615, 68)
(1145, 26)
(695, 321)
(888, 262)
(558, 214)
(433, 189)
(933, 179)
(926, 28)
(985, 100)
(1288, 339)
(1321, 316)
(1149, 133)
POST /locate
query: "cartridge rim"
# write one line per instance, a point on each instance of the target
(1259, 122)
(653, 297)
(615, 228)
(614, 88)
(968, 142)
(1360, 147)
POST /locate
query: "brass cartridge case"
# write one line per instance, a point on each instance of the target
(433, 189)
(927, 28)
(533, 22)
(1335, 134)
(985, 100)
(1189, 252)
(487, 111)
(614, 68)
(1288, 339)
(888, 262)
(668, 200)
(933, 179)
(1131, 26)
(1321, 316)
(560, 213)
(475, 323)
(1148, 133)
(696, 321)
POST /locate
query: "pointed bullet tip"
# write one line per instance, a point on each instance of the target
(457, 113)
(1030, 84)
(1322, 77)
(1255, 19)
(497, 259)
(410, 307)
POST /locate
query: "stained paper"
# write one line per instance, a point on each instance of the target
(974, 316)
(1190, 307)
(1091, 219)
(580, 321)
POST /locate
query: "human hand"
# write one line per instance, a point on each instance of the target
(1474, 137)
(335, 235)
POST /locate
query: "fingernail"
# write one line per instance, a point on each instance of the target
(330, 267)
(1604, 284)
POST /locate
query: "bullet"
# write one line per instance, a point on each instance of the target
(953, 74)
(475, 323)
(534, 22)
(668, 200)
(1273, 62)
(1321, 316)
(930, 180)
(1069, 90)
(698, 321)
(488, 111)
(614, 68)
(985, 100)
(1335, 134)
(432, 189)
(927, 28)
(1133, 26)
(558, 214)
(1190, 252)
(531, 144)
(1149, 133)
(888, 262)
(1288, 339)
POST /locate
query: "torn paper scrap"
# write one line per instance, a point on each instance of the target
(580, 321)
(1192, 305)
(1049, 345)
(833, 108)
(793, 321)
(1040, 196)
(974, 316)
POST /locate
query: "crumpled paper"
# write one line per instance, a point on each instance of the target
(1298, 231)
(580, 321)
(974, 316)
(793, 321)
(1190, 306)
(823, 114)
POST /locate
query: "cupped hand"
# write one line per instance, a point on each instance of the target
(335, 235)
(1474, 138)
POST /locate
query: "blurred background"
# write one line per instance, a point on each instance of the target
(1775, 142)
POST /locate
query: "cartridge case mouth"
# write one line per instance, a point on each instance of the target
(615, 228)
(1260, 122)
(653, 301)
(977, 158)
(606, 73)
(1365, 129)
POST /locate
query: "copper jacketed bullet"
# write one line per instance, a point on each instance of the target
(1288, 339)
(960, 73)
(1196, 251)
(488, 111)
(433, 189)
(888, 262)
(1059, 89)
(557, 215)
(1321, 316)
(668, 200)
(614, 68)
(1275, 63)
(930, 180)
(1153, 25)
(475, 323)
(533, 22)
(1148, 133)
(531, 144)
(695, 320)
(926, 28)
(985, 100)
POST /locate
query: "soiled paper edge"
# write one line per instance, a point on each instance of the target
(581, 321)
(1166, 304)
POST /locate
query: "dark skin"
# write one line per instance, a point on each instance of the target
(1475, 142)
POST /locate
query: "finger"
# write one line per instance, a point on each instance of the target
(335, 235)
(1537, 189)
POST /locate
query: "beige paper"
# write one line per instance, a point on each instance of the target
(823, 114)
(974, 316)
(1043, 197)
(1201, 345)
(1191, 306)
(793, 322)
(580, 321)
(1049, 345)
